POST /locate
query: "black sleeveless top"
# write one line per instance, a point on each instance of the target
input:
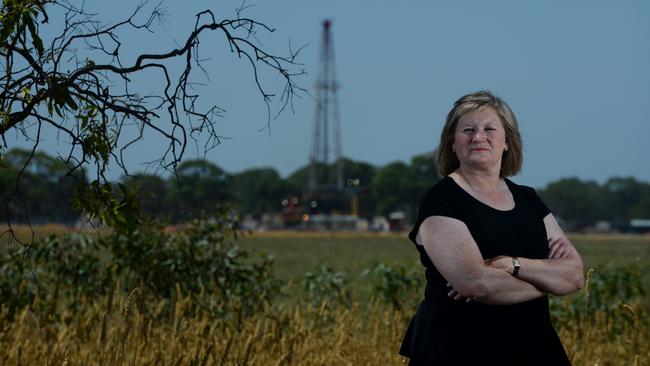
(448, 332)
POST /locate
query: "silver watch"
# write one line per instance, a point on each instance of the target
(517, 265)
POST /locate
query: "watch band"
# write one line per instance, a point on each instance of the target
(516, 264)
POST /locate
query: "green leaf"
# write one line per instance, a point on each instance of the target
(36, 40)
(67, 98)
(24, 92)
(38, 44)
(57, 110)
(84, 121)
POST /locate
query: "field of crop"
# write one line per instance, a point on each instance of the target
(124, 334)
(298, 253)
(597, 326)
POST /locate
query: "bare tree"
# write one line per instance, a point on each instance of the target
(79, 83)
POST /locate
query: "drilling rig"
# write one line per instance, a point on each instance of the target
(329, 202)
(327, 198)
(327, 122)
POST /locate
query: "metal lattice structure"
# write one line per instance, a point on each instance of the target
(327, 124)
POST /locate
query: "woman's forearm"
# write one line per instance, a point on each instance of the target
(495, 287)
(557, 276)
(455, 254)
(503, 289)
(562, 273)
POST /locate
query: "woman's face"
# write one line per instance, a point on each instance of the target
(480, 139)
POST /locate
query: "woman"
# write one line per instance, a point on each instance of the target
(491, 248)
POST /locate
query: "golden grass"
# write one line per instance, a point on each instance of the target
(134, 333)
(130, 331)
(297, 336)
(609, 340)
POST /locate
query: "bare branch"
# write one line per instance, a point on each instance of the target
(79, 84)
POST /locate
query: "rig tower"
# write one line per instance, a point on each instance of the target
(327, 125)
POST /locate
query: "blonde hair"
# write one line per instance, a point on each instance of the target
(512, 159)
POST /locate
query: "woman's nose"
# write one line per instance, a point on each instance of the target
(477, 136)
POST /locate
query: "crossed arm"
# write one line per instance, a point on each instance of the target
(455, 254)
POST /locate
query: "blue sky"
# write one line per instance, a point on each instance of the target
(577, 74)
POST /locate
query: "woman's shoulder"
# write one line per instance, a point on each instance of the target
(531, 196)
(519, 187)
(444, 192)
(439, 200)
(443, 186)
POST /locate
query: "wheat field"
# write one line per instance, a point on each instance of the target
(137, 328)
(124, 332)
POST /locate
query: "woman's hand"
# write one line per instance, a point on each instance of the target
(456, 295)
(559, 247)
(501, 262)
(455, 254)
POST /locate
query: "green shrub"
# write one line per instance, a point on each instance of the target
(325, 285)
(52, 267)
(202, 260)
(608, 288)
(395, 284)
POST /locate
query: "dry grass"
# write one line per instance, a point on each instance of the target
(601, 340)
(126, 336)
(127, 332)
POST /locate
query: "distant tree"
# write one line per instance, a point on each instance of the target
(425, 171)
(641, 209)
(364, 172)
(359, 170)
(625, 198)
(152, 193)
(65, 69)
(259, 191)
(299, 179)
(47, 189)
(200, 186)
(357, 179)
(578, 203)
(395, 189)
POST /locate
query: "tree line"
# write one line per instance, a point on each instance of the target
(46, 192)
